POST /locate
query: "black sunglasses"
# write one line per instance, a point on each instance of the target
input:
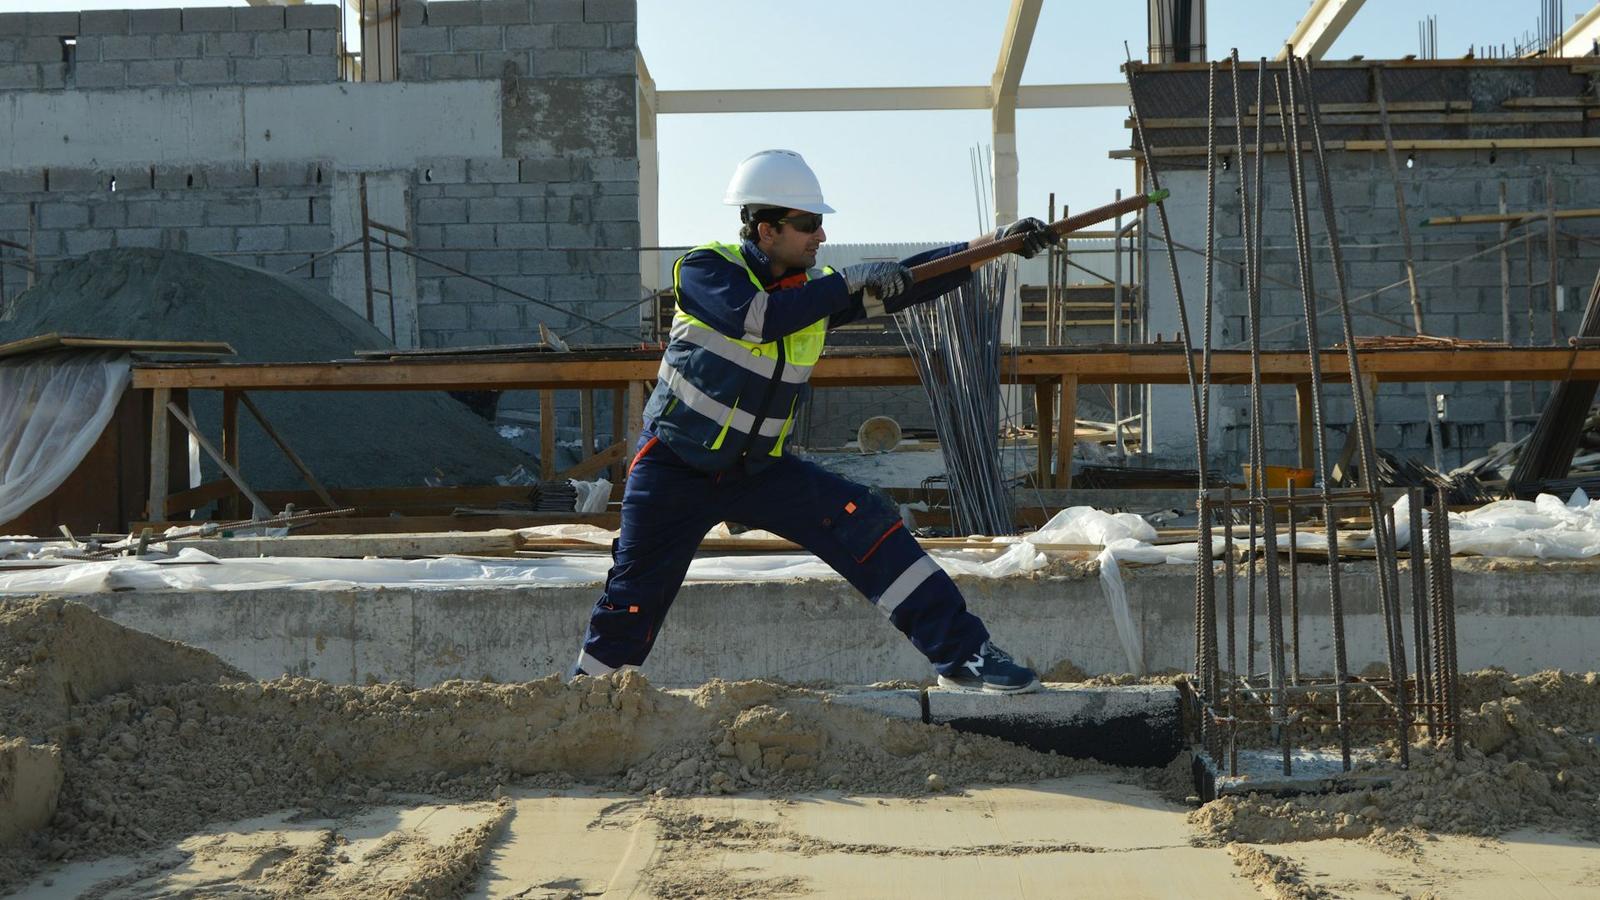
(806, 223)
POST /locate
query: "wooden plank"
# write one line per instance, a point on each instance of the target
(288, 452)
(230, 451)
(592, 466)
(55, 341)
(216, 457)
(586, 420)
(619, 432)
(1511, 218)
(1462, 118)
(1548, 102)
(1306, 426)
(1066, 444)
(1408, 106)
(547, 435)
(160, 451)
(1044, 418)
(1563, 143)
(633, 415)
(498, 541)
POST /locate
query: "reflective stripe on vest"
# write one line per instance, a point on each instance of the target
(713, 409)
(684, 328)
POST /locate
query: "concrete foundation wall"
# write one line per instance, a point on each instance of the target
(1521, 620)
(1459, 301)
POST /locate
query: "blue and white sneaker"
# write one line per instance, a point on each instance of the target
(993, 671)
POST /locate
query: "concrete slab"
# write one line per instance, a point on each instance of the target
(901, 704)
(1128, 725)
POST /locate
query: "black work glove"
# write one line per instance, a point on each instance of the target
(1036, 236)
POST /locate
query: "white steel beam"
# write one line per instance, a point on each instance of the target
(1321, 25)
(1583, 37)
(1029, 96)
(1020, 24)
(649, 186)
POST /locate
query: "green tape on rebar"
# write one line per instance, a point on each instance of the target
(1157, 196)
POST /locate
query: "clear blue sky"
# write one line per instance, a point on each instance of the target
(907, 176)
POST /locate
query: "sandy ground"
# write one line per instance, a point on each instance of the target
(175, 775)
(1082, 836)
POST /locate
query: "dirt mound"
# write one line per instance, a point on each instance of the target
(348, 439)
(159, 755)
(1530, 760)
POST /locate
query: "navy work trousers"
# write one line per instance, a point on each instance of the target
(668, 506)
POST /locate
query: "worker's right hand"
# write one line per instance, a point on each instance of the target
(881, 279)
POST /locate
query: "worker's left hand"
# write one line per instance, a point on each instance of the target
(1036, 236)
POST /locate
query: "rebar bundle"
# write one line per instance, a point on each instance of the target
(956, 342)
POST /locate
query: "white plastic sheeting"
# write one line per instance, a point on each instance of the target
(53, 407)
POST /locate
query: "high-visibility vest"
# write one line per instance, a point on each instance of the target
(719, 400)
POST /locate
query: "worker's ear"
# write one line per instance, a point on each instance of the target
(765, 231)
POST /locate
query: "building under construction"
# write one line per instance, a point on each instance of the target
(326, 338)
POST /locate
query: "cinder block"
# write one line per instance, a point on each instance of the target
(571, 236)
(54, 24)
(231, 211)
(22, 181)
(71, 178)
(619, 208)
(133, 46)
(228, 44)
(413, 13)
(258, 18)
(545, 170)
(155, 21)
(281, 43)
(626, 289)
(470, 191)
(506, 12)
(286, 174)
(492, 210)
(614, 262)
(79, 242)
(455, 289)
(622, 35)
(152, 72)
(177, 46)
(557, 11)
(441, 210)
(259, 71)
(63, 215)
(1137, 725)
(441, 316)
(138, 237)
(218, 18)
(549, 262)
(445, 66)
(177, 213)
(9, 48)
(446, 170)
(107, 214)
(503, 63)
(492, 263)
(311, 238)
(208, 240)
(555, 63)
(428, 39)
(493, 316)
(493, 171)
(521, 235)
(285, 211)
(260, 238)
(311, 69)
(100, 74)
(322, 15)
(477, 37)
(204, 71)
(468, 237)
(610, 11)
(580, 36)
(455, 12)
(227, 175)
(532, 209)
(45, 49)
(530, 37)
(102, 21)
(52, 76)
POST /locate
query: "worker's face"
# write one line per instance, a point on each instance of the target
(790, 244)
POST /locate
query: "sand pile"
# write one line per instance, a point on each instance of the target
(347, 439)
(184, 743)
(1530, 760)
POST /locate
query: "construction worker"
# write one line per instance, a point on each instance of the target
(751, 321)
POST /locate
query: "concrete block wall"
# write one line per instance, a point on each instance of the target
(1458, 299)
(274, 216)
(166, 47)
(541, 227)
(516, 38)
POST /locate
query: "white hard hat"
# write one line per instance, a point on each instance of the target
(776, 178)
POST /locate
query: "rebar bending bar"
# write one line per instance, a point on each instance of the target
(1419, 609)
(1249, 228)
(1411, 267)
(1289, 115)
(1365, 435)
(1452, 678)
(1204, 645)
